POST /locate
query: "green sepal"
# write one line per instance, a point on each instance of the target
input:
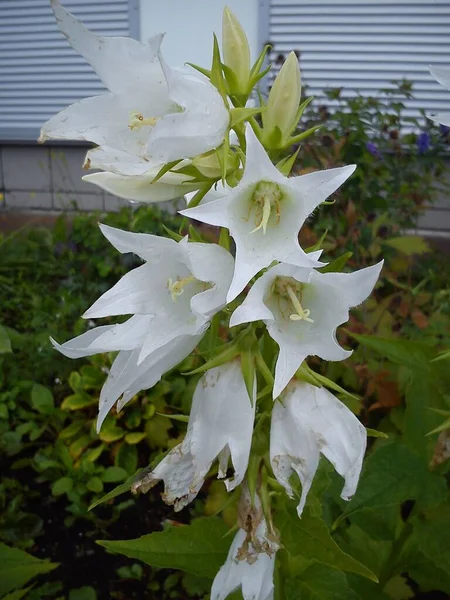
(230, 353)
(252, 475)
(181, 418)
(194, 175)
(224, 238)
(230, 78)
(274, 140)
(318, 244)
(302, 107)
(259, 61)
(285, 165)
(442, 427)
(243, 114)
(301, 136)
(260, 76)
(223, 157)
(248, 370)
(445, 355)
(195, 201)
(216, 76)
(321, 380)
(376, 434)
(165, 169)
(264, 369)
(172, 234)
(194, 235)
(264, 495)
(305, 374)
(201, 70)
(336, 265)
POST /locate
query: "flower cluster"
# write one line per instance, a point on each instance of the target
(161, 133)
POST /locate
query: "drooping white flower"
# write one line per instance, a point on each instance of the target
(442, 75)
(309, 421)
(251, 559)
(265, 212)
(172, 296)
(220, 426)
(140, 188)
(302, 309)
(151, 115)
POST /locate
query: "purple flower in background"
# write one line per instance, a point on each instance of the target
(444, 130)
(372, 148)
(423, 142)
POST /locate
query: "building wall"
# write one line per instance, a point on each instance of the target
(189, 25)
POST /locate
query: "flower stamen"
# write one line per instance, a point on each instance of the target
(267, 196)
(176, 288)
(137, 121)
(302, 314)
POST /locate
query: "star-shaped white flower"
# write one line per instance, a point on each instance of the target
(309, 421)
(265, 212)
(442, 75)
(220, 426)
(251, 558)
(302, 309)
(151, 116)
(172, 296)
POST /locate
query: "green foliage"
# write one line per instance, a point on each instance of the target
(199, 548)
(18, 567)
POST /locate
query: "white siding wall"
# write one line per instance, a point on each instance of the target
(363, 45)
(39, 72)
(189, 25)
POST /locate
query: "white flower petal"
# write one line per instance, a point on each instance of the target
(310, 421)
(328, 298)
(202, 124)
(126, 377)
(151, 248)
(123, 64)
(118, 161)
(107, 338)
(139, 188)
(255, 577)
(440, 118)
(222, 416)
(442, 75)
(291, 201)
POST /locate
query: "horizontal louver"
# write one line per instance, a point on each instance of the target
(39, 72)
(362, 46)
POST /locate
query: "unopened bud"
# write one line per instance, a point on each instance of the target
(236, 53)
(209, 165)
(284, 100)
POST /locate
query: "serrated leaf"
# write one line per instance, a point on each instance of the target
(309, 537)
(199, 548)
(319, 582)
(18, 567)
(433, 538)
(392, 475)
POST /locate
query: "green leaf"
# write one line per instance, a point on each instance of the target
(309, 537)
(433, 538)
(135, 437)
(111, 433)
(180, 418)
(319, 582)
(18, 567)
(42, 399)
(83, 593)
(392, 475)
(199, 548)
(95, 484)
(5, 342)
(336, 265)
(18, 594)
(78, 401)
(62, 486)
(127, 458)
(285, 165)
(113, 475)
(117, 491)
(408, 244)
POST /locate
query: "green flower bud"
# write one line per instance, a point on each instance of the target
(281, 115)
(209, 165)
(236, 54)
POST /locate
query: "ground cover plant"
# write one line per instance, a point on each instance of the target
(69, 525)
